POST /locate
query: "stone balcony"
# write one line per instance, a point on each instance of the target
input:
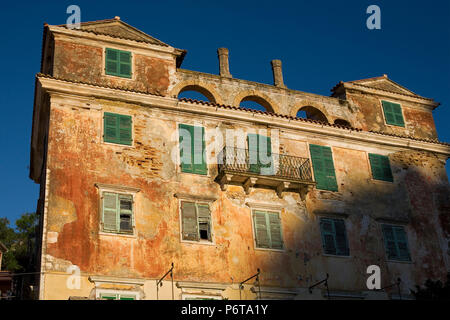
(281, 173)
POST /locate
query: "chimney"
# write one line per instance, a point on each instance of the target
(224, 68)
(277, 74)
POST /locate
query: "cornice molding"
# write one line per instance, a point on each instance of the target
(104, 186)
(263, 205)
(201, 285)
(193, 197)
(116, 280)
(87, 90)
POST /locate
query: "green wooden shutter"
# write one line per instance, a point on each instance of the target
(186, 136)
(125, 126)
(112, 62)
(118, 63)
(396, 243)
(266, 168)
(109, 214)
(389, 242)
(276, 237)
(189, 221)
(261, 232)
(323, 166)
(125, 64)
(328, 233)
(198, 148)
(257, 154)
(381, 167)
(110, 127)
(253, 159)
(393, 113)
(341, 238)
(192, 149)
(402, 244)
(117, 128)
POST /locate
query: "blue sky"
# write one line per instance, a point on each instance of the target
(319, 42)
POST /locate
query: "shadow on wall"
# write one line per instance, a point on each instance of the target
(411, 201)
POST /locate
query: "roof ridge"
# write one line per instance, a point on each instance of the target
(159, 42)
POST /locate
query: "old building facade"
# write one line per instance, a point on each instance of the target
(134, 178)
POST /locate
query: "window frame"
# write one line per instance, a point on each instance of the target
(199, 241)
(129, 191)
(131, 145)
(131, 77)
(334, 237)
(384, 116)
(99, 293)
(266, 210)
(392, 225)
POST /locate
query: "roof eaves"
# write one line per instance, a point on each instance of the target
(41, 75)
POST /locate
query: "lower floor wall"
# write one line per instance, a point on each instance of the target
(61, 286)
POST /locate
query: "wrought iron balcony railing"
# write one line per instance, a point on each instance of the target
(242, 161)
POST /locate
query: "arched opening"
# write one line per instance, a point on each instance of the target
(342, 123)
(196, 93)
(255, 103)
(312, 113)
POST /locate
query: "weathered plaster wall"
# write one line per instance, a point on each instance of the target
(78, 159)
(369, 116)
(85, 63)
(283, 101)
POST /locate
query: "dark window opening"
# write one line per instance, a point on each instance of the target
(125, 223)
(204, 230)
(342, 122)
(311, 113)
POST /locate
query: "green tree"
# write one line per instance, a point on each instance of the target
(433, 290)
(19, 241)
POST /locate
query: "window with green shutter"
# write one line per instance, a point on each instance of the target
(117, 128)
(117, 296)
(393, 113)
(260, 154)
(118, 63)
(195, 221)
(117, 213)
(323, 166)
(396, 243)
(381, 168)
(267, 227)
(192, 149)
(334, 237)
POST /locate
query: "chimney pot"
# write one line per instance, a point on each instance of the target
(277, 74)
(224, 67)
